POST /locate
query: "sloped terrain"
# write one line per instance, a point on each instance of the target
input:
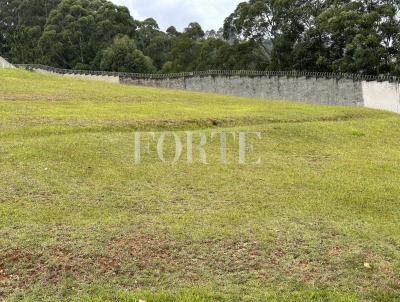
(317, 220)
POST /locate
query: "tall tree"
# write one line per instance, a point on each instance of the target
(187, 48)
(327, 35)
(123, 56)
(159, 49)
(78, 30)
(361, 36)
(8, 15)
(284, 23)
(146, 31)
(21, 25)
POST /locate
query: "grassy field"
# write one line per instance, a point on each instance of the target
(317, 220)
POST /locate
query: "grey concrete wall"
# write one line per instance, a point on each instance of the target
(103, 78)
(382, 95)
(5, 64)
(378, 92)
(310, 90)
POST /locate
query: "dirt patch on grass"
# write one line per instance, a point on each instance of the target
(147, 260)
(186, 260)
(22, 269)
(138, 257)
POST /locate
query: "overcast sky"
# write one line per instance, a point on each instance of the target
(179, 13)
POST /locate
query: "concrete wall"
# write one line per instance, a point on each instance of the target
(103, 78)
(303, 89)
(5, 64)
(381, 95)
(318, 88)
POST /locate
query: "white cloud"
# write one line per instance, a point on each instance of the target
(179, 13)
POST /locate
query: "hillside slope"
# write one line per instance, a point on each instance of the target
(317, 220)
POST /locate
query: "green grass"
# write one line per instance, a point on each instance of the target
(80, 222)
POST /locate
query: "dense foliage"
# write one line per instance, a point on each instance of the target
(316, 35)
(323, 35)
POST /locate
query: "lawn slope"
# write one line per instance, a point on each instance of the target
(317, 220)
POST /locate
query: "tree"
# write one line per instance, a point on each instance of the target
(123, 56)
(361, 36)
(186, 48)
(284, 23)
(321, 35)
(172, 32)
(253, 20)
(78, 30)
(8, 15)
(66, 40)
(159, 49)
(111, 20)
(215, 34)
(185, 53)
(24, 44)
(208, 58)
(194, 32)
(147, 30)
(153, 42)
(21, 25)
(248, 55)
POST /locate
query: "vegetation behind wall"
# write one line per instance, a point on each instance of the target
(355, 36)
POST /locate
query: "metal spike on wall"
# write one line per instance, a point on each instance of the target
(241, 73)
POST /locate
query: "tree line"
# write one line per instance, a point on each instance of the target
(357, 36)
